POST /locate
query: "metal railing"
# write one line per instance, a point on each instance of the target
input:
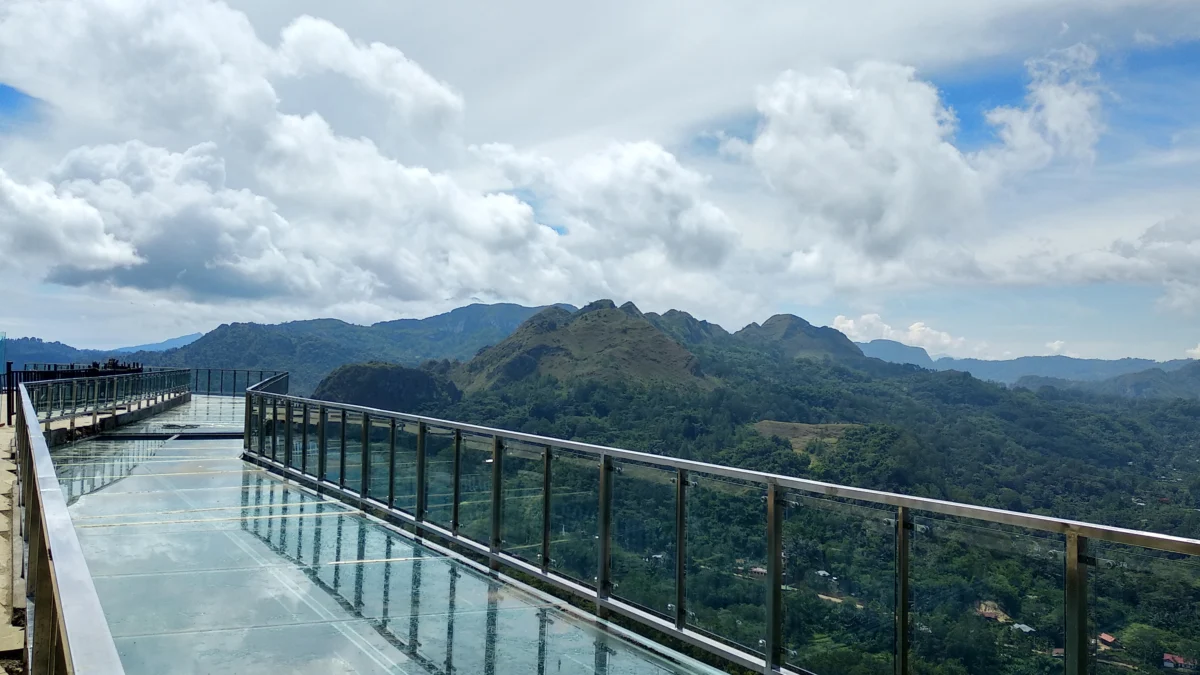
(510, 497)
(40, 372)
(105, 395)
(228, 381)
(69, 632)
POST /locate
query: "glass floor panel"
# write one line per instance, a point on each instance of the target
(205, 563)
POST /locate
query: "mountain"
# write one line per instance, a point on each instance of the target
(793, 338)
(162, 346)
(388, 386)
(686, 329)
(1183, 382)
(1063, 367)
(896, 352)
(309, 350)
(600, 341)
(32, 350)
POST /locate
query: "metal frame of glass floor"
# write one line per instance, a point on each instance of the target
(206, 563)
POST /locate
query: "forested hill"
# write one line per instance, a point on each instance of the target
(309, 350)
(613, 375)
(672, 385)
(1152, 383)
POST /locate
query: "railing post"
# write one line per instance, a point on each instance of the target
(774, 637)
(904, 527)
(320, 442)
(95, 401)
(74, 401)
(287, 433)
(497, 499)
(547, 464)
(364, 470)
(419, 509)
(208, 386)
(275, 429)
(604, 520)
(455, 491)
(246, 424)
(391, 492)
(342, 449)
(262, 424)
(304, 440)
(681, 481)
(222, 381)
(1076, 605)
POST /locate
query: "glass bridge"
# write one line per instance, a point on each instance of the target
(205, 563)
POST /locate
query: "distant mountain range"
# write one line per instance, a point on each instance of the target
(163, 346)
(1011, 371)
(312, 349)
(1182, 382)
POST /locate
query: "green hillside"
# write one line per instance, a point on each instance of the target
(309, 350)
(600, 341)
(795, 338)
(388, 386)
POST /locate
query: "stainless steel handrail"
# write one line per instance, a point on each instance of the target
(1076, 533)
(1163, 542)
(69, 631)
(104, 393)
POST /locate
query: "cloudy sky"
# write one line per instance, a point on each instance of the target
(994, 178)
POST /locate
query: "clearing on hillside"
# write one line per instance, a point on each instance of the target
(800, 434)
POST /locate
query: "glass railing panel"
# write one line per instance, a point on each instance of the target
(439, 475)
(644, 536)
(255, 411)
(522, 499)
(986, 598)
(1143, 610)
(352, 456)
(839, 576)
(475, 488)
(574, 504)
(312, 449)
(296, 452)
(380, 438)
(404, 482)
(270, 426)
(333, 445)
(726, 559)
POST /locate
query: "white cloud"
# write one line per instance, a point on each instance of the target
(1193, 353)
(265, 160)
(1059, 348)
(918, 334)
(868, 156)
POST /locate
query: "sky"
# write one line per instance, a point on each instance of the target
(994, 179)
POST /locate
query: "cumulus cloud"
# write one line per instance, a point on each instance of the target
(868, 155)
(40, 225)
(1061, 116)
(623, 199)
(918, 334)
(189, 162)
(1193, 353)
(1166, 253)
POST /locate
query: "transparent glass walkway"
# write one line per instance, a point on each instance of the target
(207, 564)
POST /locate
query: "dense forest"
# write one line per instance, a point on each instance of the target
(794, 400)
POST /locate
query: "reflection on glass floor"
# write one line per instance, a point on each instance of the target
(207, 564)
(204, 414)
